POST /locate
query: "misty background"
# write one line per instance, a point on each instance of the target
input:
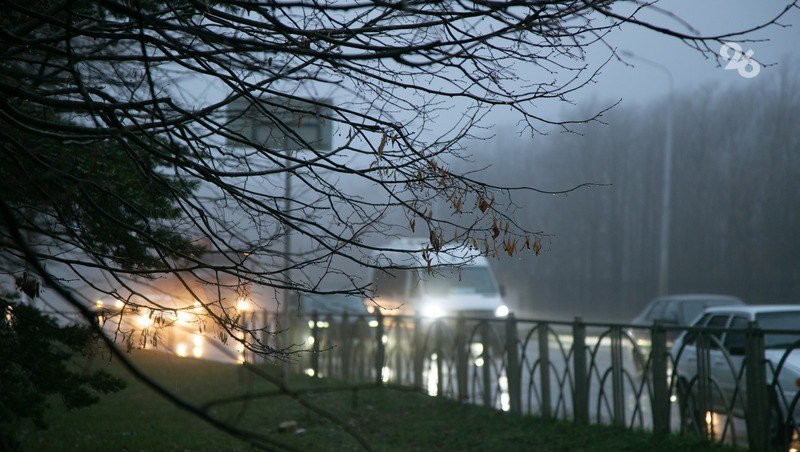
(735, 177)
(735, 187)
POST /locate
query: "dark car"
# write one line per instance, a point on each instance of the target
(672, 310)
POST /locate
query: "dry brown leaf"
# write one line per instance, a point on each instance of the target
(382, 144)
(482, 205)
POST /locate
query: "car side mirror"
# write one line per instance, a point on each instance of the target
(502, 290)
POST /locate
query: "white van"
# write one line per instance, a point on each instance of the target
(460, 281)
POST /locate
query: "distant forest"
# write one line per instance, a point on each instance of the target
(735, 203)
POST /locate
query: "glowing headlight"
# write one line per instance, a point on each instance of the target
(183, 318)
(501, 311)
(432, 311)
(144, 321)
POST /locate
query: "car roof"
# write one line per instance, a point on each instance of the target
(333, 304)
(755, 309)
(700, 297)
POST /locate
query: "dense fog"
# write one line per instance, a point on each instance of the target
(735, 188)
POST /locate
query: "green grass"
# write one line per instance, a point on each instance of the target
(138, 419)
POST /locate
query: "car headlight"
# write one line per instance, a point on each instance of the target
(432, 311)
(501, 311)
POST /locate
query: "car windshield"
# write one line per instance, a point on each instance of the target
(784, 320)
(656, 310)
(693, 308)
(473, 280)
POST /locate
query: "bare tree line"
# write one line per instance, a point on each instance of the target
(734, 189)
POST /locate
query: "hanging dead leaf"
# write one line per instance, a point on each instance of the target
(300, 121)
(412, 224)
(382, 144)
(435, 242)
(537, 247)
(482, 204)
(511, 246)
(28, 285)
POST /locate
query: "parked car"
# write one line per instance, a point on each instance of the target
(672, 310)
(726, 359)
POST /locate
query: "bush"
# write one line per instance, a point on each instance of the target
(37, 357)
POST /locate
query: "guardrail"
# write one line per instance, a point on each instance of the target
(718, 383)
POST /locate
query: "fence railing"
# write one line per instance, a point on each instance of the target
(718, 383)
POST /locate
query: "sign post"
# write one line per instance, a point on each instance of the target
(290, 125)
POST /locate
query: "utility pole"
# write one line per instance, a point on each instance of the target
(287, 237)
(666, 180)
(287, 261)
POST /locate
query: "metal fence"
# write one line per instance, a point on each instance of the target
(718, 383)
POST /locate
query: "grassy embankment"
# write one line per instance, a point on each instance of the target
(138, 419)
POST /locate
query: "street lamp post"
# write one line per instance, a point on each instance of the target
(666, 185)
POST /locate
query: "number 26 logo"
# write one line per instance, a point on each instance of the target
(739, 60)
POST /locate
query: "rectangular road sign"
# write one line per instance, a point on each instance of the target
(281, 123)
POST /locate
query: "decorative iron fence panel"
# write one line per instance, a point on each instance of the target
(718, 383)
